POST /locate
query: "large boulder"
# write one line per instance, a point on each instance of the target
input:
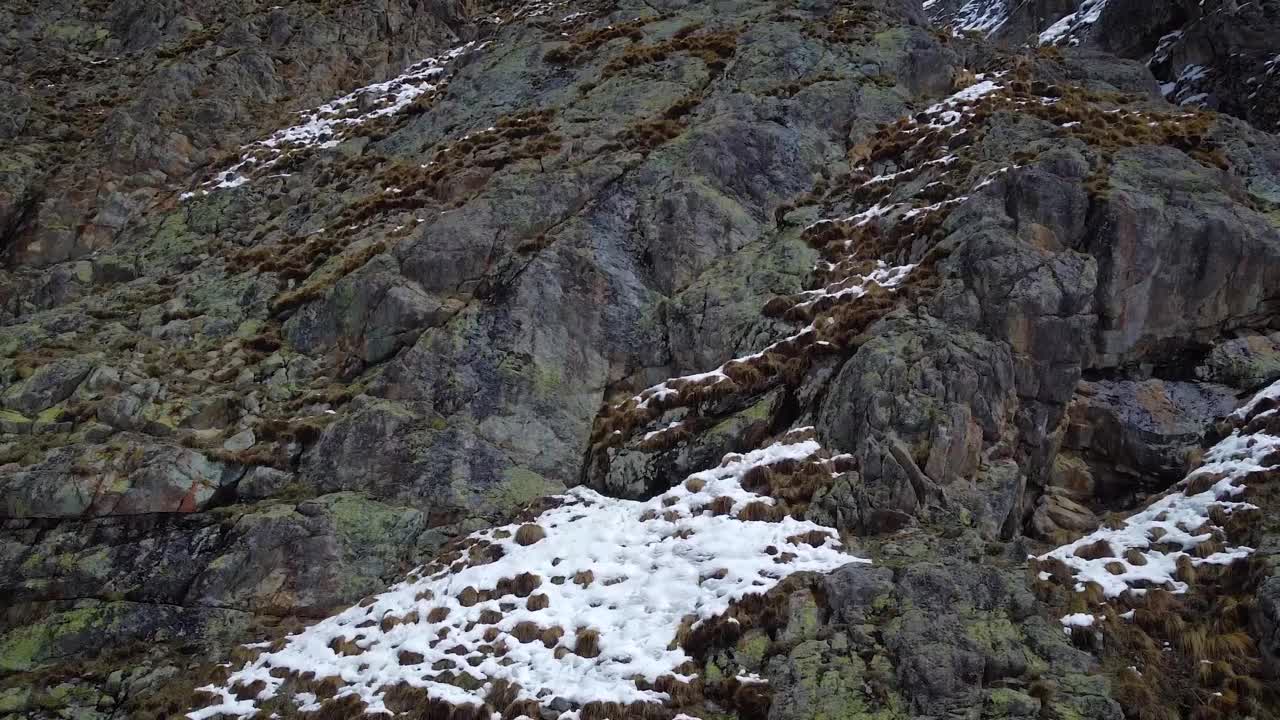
(310, 559)
(133, 477)
(1179, 258)
(919, 397)
(48, 385)
(1141, 435)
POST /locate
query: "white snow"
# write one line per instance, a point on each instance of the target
(1176, 519)
(888, 177)
(991, 177)
(1082, 620)
(861, 218)
(1069, 27)
(325, 126)
(984, 16)
(951, 111)
(654, 564)
(655, 433)
(1191, 73)
(1270, 392)
(664, 390)
(934, 207)
(1163, 47)
(857, 285)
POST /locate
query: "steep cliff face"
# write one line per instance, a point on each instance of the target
(784, 360)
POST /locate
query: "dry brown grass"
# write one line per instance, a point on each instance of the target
(317, 287)
(851, 22)
(586, 642)
(790, 89)
(645, 135)
(581, 44)
(526, 631)
(1195, 653)
(529, 534)
(521, 585)
(714, 49)
(268, 455)
(342, 646)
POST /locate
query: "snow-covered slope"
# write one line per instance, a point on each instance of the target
(585, 603)
(1186, 526)
(1144, 551)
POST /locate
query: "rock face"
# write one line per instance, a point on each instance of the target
(294, 296)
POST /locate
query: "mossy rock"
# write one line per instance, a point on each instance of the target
(520, 487)
(29, 646)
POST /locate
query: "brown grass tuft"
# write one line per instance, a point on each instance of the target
(586, 642)
(529, 534)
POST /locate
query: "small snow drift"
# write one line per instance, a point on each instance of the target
(585, 603)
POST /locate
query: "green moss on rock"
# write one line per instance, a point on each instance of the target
(520, 487)
(751, 648)
(28, 646)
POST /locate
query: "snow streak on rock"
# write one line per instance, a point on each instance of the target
(1187, 88)
(849, 288)
(1269, 393)
(626, 574)
(1067, 30)
(329, 124)
(983, 16)
(857, 285)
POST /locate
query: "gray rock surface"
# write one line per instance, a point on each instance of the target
(228, 412)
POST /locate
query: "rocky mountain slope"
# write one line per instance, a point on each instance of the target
(772, 360)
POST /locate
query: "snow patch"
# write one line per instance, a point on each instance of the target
(1177, 519)
(1081, 620)
(1070, 27)
(654, 564)
(984, 16)
(952, 110)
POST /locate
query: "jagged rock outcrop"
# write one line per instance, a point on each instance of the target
(274, 336)
(1220, 55)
